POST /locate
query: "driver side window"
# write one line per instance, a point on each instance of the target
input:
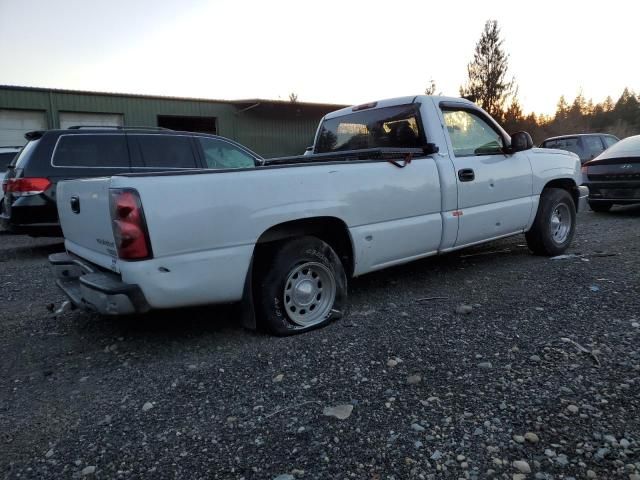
(471, 135)
(219, 154)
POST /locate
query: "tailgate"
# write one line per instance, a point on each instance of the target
(83, 207)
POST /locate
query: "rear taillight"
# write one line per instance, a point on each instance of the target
(23, 187)
(129, 225)
(584, 169)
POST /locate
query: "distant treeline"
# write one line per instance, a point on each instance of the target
(620, 118)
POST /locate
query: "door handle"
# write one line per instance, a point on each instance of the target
(75, 204)
(466, 175)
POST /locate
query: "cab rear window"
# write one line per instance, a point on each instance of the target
(392, 127)
(91, 151)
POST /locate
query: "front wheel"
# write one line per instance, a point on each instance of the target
(301, 286)
(600, 206)
(555, 223)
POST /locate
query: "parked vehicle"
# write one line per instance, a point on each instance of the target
(54, 155)
(389, 182)
(7, 154)
(586, 145)
(613, 178)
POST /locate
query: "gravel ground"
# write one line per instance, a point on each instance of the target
(536, 376)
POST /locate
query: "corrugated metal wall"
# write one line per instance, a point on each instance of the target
(270, 130)
(277, 132)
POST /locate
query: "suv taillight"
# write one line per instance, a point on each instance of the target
(129, 225)
(23, 187)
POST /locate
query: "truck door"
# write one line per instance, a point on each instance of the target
(494, 189)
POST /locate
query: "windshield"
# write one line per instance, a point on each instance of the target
(392, 127)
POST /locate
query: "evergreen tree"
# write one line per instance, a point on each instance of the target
(562, 109)
(513, 117)
(487, 84)
(627, 109)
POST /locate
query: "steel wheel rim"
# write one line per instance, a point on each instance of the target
(309, 293)
(560, 224)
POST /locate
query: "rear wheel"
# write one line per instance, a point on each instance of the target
(301, 286)
(555, 223)
(600, 206)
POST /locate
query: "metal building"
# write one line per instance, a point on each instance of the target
(269, 127)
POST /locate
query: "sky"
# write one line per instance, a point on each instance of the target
(331, 51)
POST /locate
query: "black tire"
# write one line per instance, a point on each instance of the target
(600, 206)
(281, 303)
(541, 238)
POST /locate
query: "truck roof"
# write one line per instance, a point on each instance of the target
(392, 102)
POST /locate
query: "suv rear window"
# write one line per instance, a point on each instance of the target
(21, 159)
(164, 151)
(91, 151)
(395, 127)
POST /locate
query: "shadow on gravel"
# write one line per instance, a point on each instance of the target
(511, 249)
(178, 323)
(624, 211)
(26, 252)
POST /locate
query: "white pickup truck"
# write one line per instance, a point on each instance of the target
(388, 182)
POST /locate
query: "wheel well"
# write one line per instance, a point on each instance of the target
(566, 184)
(329, 229)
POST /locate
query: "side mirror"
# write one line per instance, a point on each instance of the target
(521, 141)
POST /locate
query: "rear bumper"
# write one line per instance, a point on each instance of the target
(620, 193)
(34, 215)
(95, 290)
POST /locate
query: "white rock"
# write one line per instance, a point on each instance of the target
(278, 378)
(518, 438)
(464, 309)
(414, 379)
(573, 408)
(88, 470)
(416, 427)
(392, 363)
(341, 412)
(147, 406)
(522, 466)
(49, 454)
(531, 437)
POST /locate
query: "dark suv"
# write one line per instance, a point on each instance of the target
(586, 145)
(54, 155)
